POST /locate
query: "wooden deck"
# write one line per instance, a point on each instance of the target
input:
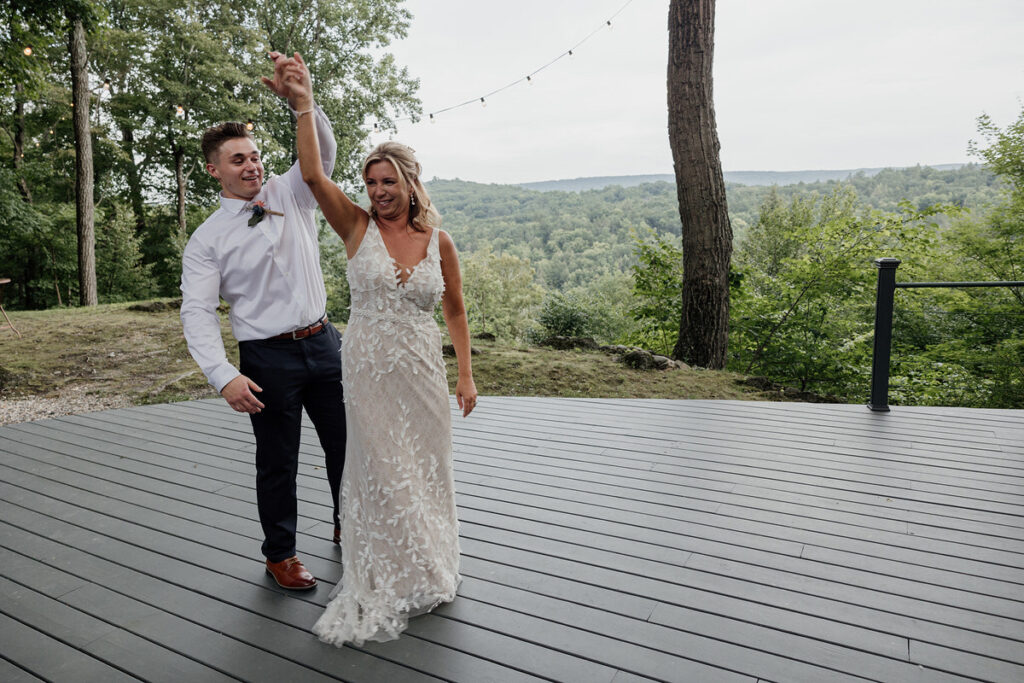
(603, 541)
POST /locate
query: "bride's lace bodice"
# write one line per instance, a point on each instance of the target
(380, 290)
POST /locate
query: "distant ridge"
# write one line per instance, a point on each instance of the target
(741, 177)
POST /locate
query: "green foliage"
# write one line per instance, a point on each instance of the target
(334, 264)
(802, 315)
(564, 315)
(608, 302)
(971, 186)
(147, 58)
(599, 311)
(120, 273)
(1004, 153)
(500, 292)
(570, 239)
(657, 291)
(35, 252)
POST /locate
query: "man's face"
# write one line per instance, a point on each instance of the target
(238, 167)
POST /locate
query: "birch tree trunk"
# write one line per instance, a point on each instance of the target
(700, 188)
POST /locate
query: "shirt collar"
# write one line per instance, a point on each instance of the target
(236, 206)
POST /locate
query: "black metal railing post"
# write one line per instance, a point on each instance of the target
(883, 333)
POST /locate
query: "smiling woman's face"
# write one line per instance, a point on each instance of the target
(388, 195)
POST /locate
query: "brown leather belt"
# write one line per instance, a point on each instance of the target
(303, 332)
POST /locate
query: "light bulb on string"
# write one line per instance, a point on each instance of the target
(249, 125)
(529, 78)
(179, 111)
(27, 51)
(376, 128)
(106, 84)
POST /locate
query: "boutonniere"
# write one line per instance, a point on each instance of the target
(259, 212)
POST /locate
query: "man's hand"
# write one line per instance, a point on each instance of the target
(238, 394)
(291, 80)
(277, 85)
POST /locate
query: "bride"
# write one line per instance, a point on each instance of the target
(399, 530)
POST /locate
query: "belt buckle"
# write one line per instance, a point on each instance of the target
(295, 334)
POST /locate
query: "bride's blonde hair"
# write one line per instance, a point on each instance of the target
(422, 213)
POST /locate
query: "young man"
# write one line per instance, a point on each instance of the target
(259, 252)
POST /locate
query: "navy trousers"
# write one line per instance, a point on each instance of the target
(294, 374)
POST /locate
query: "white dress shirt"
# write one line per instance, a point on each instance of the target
(269, 273)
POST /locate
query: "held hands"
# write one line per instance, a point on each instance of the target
(291, 80)
(238, 394)
(465, 394)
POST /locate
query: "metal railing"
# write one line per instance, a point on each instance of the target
(883, 324)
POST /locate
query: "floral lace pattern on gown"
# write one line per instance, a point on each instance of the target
(399, 529)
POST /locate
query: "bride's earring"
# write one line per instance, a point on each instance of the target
(412, 200)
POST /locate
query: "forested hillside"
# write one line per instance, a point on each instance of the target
(739, 177)
(572, 238)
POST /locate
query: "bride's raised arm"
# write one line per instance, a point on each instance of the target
(344, 216)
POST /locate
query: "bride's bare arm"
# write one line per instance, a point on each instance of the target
(454, 309)
(344, 216)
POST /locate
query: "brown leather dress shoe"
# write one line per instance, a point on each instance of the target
(291, 574)
(337, 534)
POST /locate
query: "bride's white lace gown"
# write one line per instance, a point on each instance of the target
(399, 530)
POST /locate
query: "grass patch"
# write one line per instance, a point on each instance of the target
(109, 348)
(114, 351)
(511, 370)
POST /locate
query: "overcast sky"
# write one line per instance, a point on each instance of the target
(798, 84)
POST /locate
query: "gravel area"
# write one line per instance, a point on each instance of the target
(71, 401)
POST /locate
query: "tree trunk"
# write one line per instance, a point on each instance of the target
(700, 188)
(19, 142)
(84, 206)
(134, 183)
(179, 177)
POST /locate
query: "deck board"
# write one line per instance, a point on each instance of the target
(608, 540)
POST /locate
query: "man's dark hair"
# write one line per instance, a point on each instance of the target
(215, 136)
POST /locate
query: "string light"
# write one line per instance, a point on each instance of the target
(28, 50)
(249, 125)
(528, 78)
(180, 112)
(106, 84)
